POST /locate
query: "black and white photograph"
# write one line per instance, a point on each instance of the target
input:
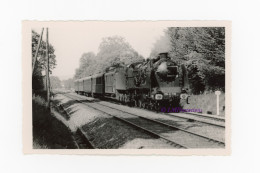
(153, 87)
(129, 86)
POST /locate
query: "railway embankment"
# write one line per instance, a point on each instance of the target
(102, 130)
(48, 132)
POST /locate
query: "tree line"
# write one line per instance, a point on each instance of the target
(202, 49)
(38, 79)
(112, 51)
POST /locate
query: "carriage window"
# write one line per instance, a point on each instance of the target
(99, 80)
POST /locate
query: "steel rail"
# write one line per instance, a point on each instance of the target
(165, 124)
(186, 118)
(132, 124)
(220, 119)
(205, 122)
(169, 125)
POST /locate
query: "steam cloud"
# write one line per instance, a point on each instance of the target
(162, 68)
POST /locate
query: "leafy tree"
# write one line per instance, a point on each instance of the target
(41, 58)
(40, 65)
(203, 50)
(37, 80)
(112, 51)
(115, 50)
(87, 66)
(197, 83)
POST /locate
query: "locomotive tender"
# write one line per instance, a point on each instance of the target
(150, 84)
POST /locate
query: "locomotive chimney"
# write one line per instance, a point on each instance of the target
(163, 55)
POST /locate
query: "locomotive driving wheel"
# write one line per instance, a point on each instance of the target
(125, 99)
(144, 105)
(157, 106)
(135, 103)
(149, 105)
(140, 103)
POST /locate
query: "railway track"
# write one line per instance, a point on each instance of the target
(80, 138)
(135, 125)
(159, 129)
(208, 121)
(220, 119)
(169, 125)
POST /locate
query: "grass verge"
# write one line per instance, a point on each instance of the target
(207, 102)
(48, 132)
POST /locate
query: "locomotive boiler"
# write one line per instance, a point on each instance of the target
(159, 82)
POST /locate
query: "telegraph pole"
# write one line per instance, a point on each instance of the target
(47, 69)
(37, 50)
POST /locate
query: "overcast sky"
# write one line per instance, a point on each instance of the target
(71, 42)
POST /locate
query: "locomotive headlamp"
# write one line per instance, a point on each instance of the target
(185, 89)
(158, 96)
(184, 96)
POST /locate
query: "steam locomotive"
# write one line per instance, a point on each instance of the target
(150, 84)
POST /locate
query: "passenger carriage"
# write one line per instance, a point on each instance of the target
(87, 86)
(80, 86)
(97, 85)
(76, 86)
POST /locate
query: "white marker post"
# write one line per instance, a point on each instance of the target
(217, 93)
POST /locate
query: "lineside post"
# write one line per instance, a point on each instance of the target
(47, 70)
(217, 93)
(37, 50)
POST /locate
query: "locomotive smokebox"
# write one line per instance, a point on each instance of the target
(162, 69)
(165, 68)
